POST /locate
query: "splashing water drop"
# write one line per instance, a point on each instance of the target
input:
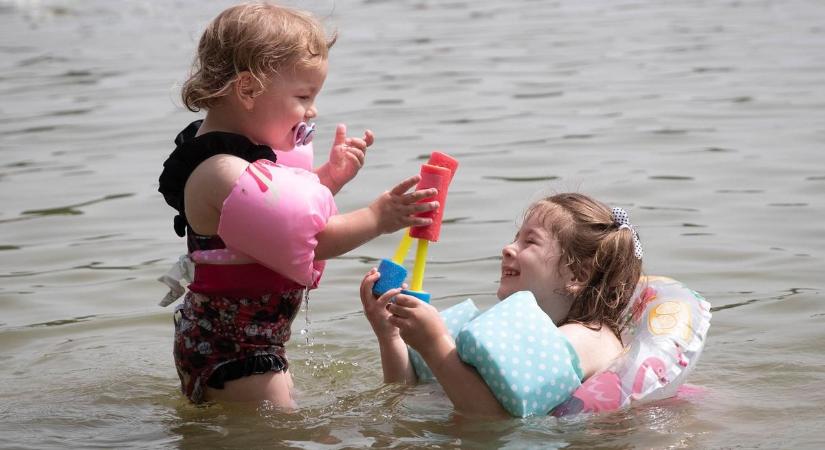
(306, 332)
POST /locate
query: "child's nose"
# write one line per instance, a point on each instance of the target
(311, 112)
(508, 250)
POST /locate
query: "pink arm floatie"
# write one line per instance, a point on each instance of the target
(273, 215)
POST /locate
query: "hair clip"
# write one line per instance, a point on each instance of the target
(304, 133)
(622, 219)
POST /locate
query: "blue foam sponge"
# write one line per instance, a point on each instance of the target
(392, 276)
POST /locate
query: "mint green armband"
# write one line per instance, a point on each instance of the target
(527, 363)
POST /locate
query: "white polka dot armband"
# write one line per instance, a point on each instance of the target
(455, 317)
(529, 365)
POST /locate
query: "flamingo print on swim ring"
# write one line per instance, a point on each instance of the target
(654, 366)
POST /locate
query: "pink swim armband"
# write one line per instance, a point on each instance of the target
(273, 215)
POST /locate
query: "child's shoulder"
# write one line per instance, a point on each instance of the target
(596, 348)
(220, 169)
(212, 181)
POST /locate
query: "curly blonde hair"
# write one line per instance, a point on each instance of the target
(261, 38)
(598, 252)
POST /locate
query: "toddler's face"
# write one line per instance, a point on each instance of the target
(287, 100)
(531, 263)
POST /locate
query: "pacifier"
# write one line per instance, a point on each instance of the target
(304, 133)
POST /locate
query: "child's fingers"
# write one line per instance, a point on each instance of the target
(424, 207)
(371, 276)
(400, 311)
(340, 134)
(387, 297)
(412, 213)
(405, 185)
(357, 143)
(405, 306)
(397, 322)
(404, 324)
(407, 301)
(369, 137)
(357, 154)
(417, 221)
(368, 282)
(421, 194)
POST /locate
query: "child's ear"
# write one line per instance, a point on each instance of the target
(574, 287)
(247, 88)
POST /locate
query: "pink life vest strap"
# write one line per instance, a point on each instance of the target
(302, 157)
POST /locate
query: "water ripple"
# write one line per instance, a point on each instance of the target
(521, 179)
(72, 209)
(780, 297)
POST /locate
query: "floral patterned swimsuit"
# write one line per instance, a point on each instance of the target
(219, 338)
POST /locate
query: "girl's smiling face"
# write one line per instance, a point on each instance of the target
(532, 263)
(287, 100)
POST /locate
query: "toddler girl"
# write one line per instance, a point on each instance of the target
(258, 231)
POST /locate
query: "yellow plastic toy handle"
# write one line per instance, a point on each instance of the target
(420, 262)
(403, 248)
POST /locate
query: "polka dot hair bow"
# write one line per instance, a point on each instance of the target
(621, 219)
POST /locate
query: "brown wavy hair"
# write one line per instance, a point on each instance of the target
(262, 38)
(598, 253)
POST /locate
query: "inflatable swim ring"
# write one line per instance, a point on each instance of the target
(664, 334)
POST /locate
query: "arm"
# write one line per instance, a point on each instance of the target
(422, 328)
(345, 159)
(391, 211)
(395, 360)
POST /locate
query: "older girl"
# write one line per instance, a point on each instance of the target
(580, 259)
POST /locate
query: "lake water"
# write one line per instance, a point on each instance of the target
(704, 119)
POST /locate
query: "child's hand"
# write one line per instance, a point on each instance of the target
(376, 308)
(391, 211)
(419, 323)
(397, 209)
(347, 155)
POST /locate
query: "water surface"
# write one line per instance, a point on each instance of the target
(703, 119)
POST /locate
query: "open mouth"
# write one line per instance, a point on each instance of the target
(506, 273)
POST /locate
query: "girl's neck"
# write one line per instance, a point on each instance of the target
(221, 118)
(557, 308)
